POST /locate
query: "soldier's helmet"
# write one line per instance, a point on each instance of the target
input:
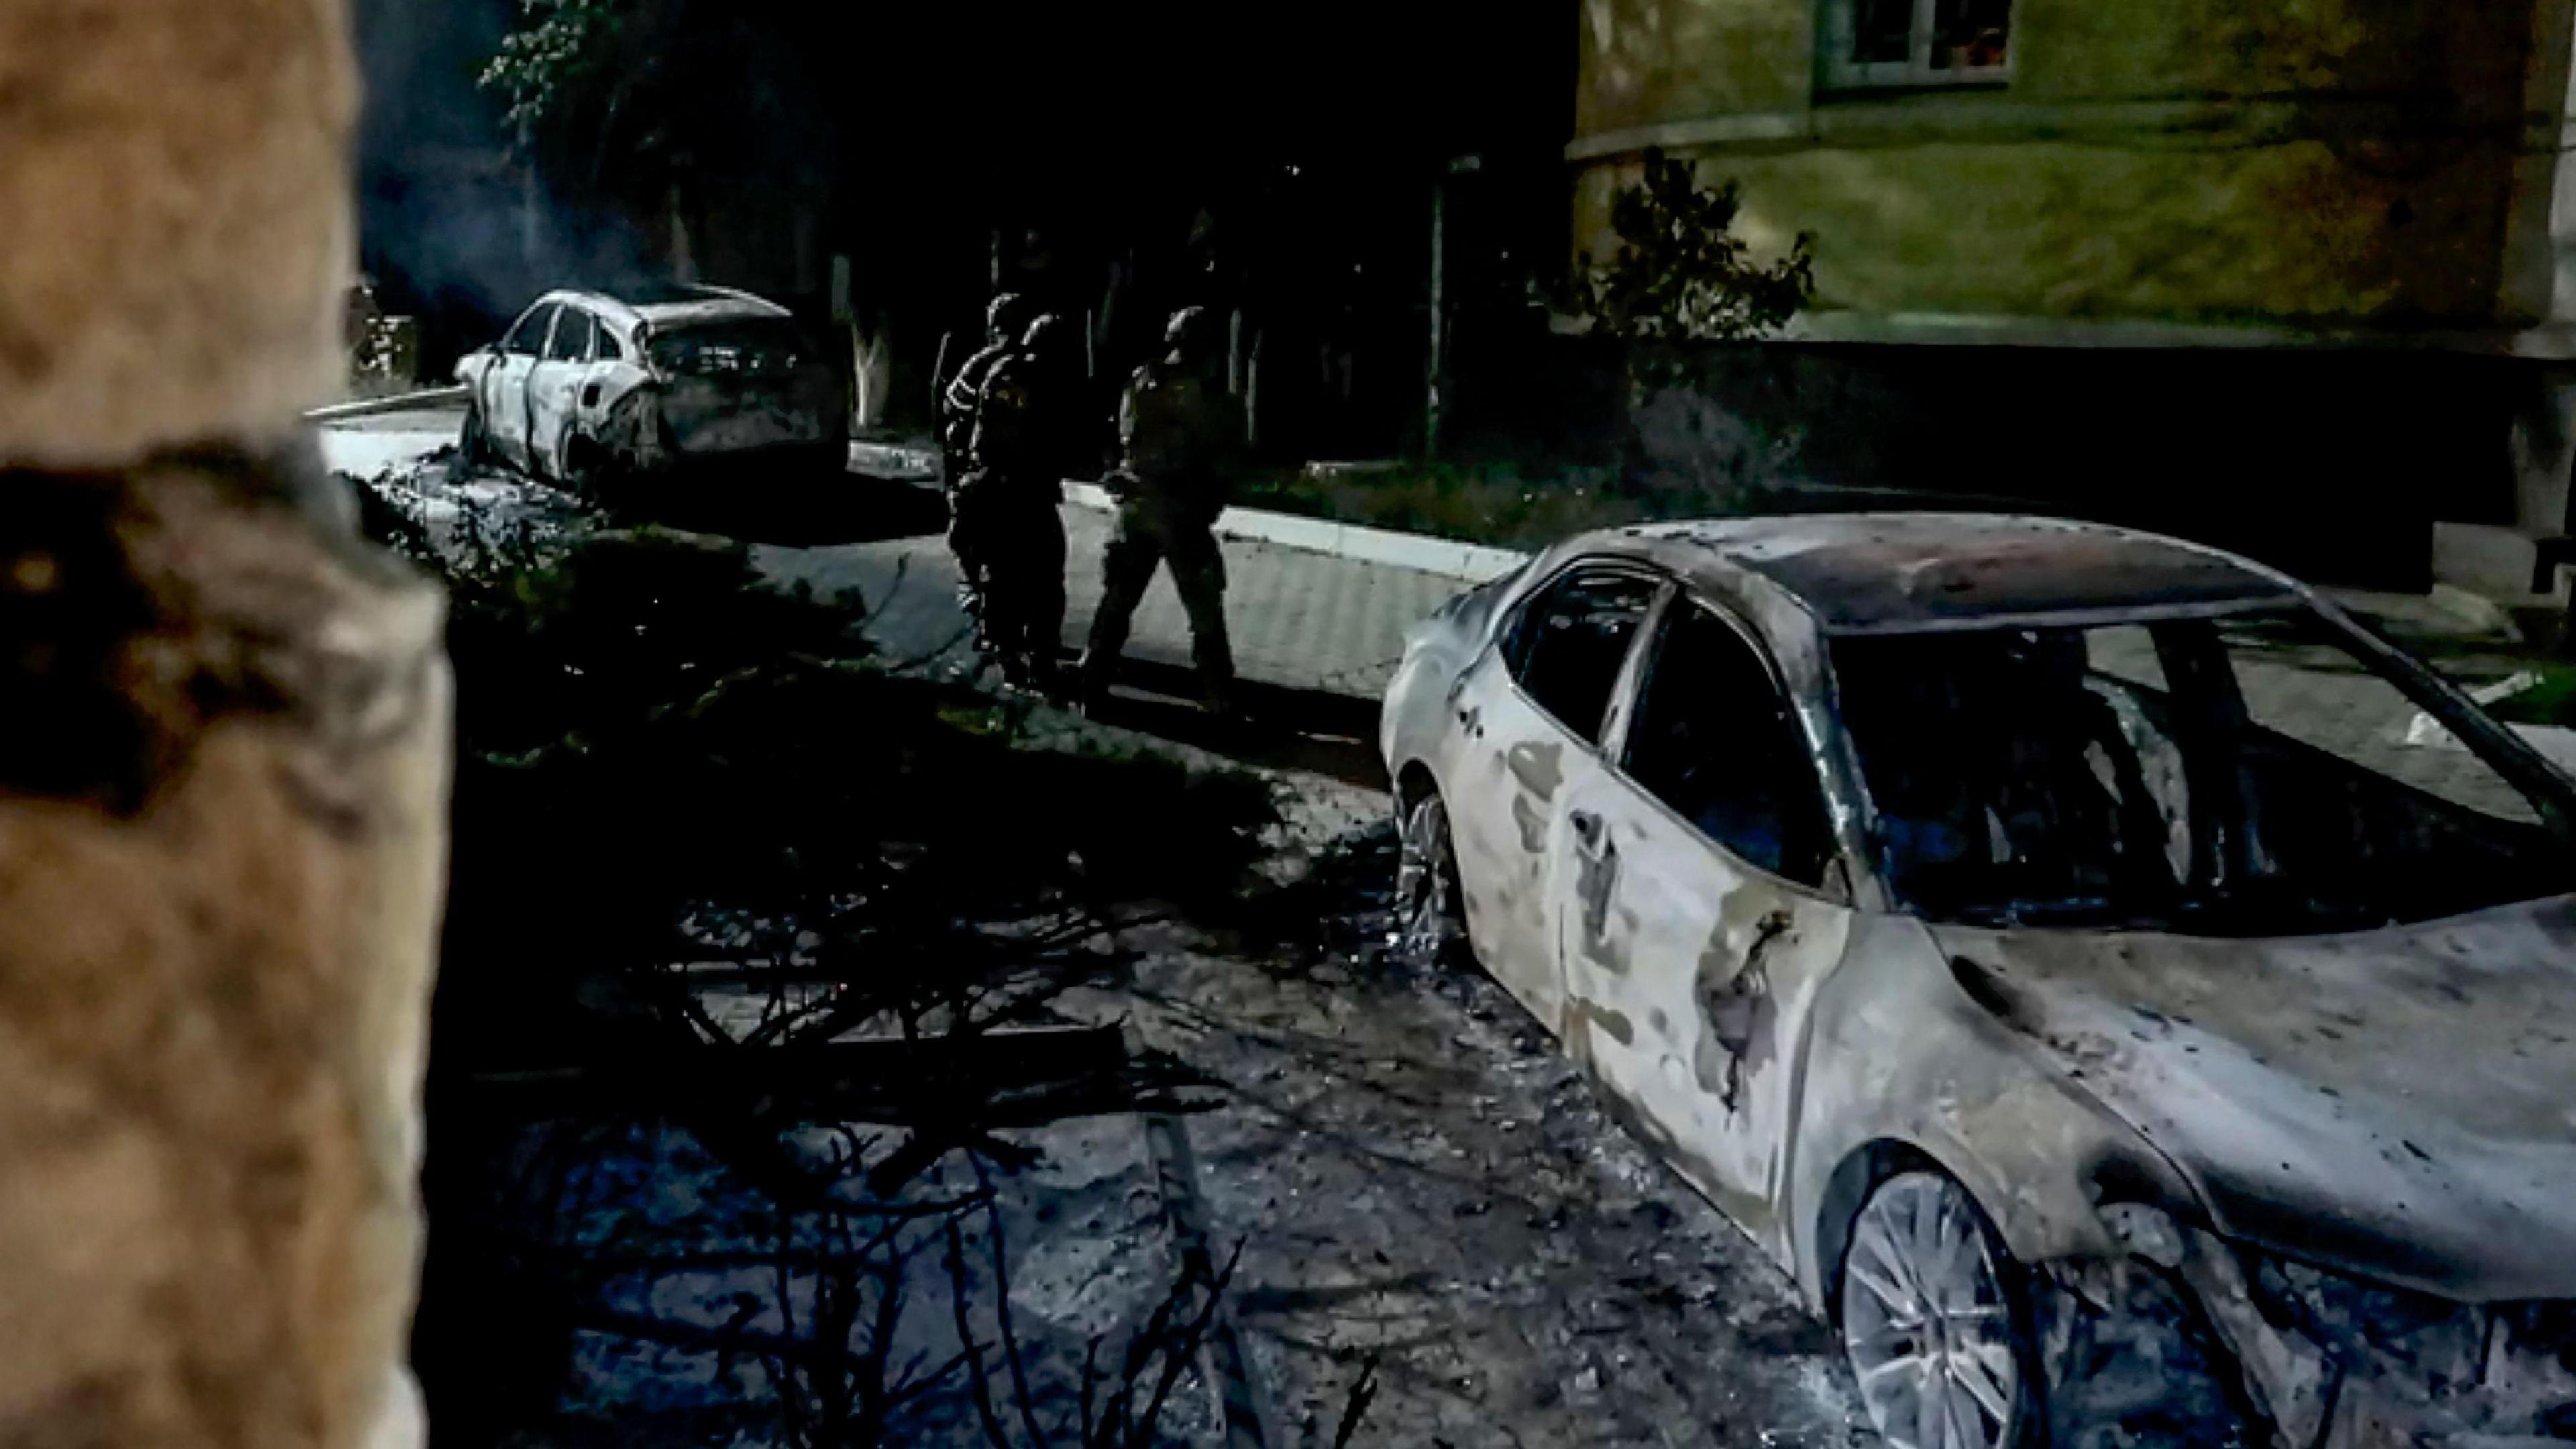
(1008, 316)
(1188, 332)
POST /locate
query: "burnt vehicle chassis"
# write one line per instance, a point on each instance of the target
(612, 398)
(2202, 1179)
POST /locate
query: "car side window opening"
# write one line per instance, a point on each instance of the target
(1571, 638)
(529, 337)
(2042, 776)
(1714, 739)
(2301, 687)
(572, 337)
(2010, 770)
(610, 349)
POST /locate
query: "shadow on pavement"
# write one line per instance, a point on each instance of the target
(1274, 728)
(850, 508)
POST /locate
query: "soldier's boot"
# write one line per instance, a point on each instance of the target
(1216, 694)
(1199, 577)
(1125, 569)
(1046, 605)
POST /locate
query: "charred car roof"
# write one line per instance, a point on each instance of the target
(667, 305)
(1908, 572)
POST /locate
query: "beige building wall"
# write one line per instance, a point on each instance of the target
(2312, 164)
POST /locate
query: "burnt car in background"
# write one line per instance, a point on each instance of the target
(587, 388)
(2063, 949)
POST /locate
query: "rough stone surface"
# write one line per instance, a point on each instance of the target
(223, 755)
(175, 175)
(222, 790)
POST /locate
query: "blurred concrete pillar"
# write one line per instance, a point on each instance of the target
(223, 745)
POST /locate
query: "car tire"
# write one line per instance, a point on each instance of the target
(586, 468)
(1935, 1321)
(1430, 925)
(473, 442)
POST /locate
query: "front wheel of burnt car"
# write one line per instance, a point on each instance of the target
(1935, 1321)
(473, 442)
(1430, 926)
(588, 467)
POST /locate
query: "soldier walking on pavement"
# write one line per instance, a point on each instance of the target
(1031, 431)
(1006, 320)
(1177, 431)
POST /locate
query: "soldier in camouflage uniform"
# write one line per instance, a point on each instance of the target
(1006, 320)
(1178, 430)
(1031, 432)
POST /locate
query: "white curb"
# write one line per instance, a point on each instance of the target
(1469, 562)
(435, 397)
(1448, 558)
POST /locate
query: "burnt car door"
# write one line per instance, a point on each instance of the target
(554, 385)
(1527, 716)
(1694, 915)
(504, 392)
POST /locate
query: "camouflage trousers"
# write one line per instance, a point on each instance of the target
(1145, 535)
(1009, 543)
(958, 483)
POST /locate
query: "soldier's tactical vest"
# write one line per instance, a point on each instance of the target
(1169, 432)
(1011, 432)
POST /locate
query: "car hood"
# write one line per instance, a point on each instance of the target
(2397, 1103)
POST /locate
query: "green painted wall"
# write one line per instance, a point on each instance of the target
(2329, 162)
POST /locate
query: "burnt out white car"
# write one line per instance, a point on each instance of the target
(2045, 942)
(585, 388)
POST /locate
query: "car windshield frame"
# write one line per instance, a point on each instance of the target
(2549, 793)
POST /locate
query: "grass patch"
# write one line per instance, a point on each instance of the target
(2550, 702)
(1497, 504)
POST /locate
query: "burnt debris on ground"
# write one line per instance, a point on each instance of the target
(746, 1053)
(830, 1054)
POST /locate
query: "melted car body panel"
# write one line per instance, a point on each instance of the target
(707, 415)
(2295, 1132)
(1503, 776)
(1900, 1054)
(1688, 979)
(2400, 1103)
(622, 403)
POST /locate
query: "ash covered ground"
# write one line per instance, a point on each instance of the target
(1418, 1176)
(1411, 1184)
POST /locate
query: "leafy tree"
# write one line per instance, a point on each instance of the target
(1681, 273)
(1682, 278)
(601, 94)
(559, 56)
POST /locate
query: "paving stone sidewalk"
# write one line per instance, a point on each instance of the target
(1313, 621)
(1299, 619)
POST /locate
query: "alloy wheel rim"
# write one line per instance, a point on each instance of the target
(1424, 918)
(1926, 1321)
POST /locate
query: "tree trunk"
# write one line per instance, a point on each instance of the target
(223, 757)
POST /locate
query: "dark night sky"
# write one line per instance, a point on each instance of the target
(924, 91)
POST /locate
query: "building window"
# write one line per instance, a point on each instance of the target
(1916, 42)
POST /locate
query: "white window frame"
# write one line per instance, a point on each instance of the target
(1916, 69)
